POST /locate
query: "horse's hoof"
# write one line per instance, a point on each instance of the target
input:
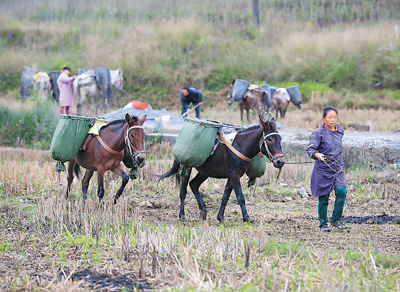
(221, 220)
(248, 220)
(182, 218)
(203, 215)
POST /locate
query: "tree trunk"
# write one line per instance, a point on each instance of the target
(256, 14)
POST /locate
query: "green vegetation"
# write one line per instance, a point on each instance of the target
(30, 127)
(349, 47)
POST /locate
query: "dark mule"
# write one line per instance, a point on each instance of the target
(106, 153)
(252, 99)
(224, 163)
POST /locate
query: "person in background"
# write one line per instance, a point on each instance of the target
(191, 95)
(64, 83)
(325, 147)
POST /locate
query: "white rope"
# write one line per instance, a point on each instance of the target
(129, 144)
(270, 157)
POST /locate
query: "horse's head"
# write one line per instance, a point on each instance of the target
(134, 139)
(117, 78)
(270, 144)
(230, 89)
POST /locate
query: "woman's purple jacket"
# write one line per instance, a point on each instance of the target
(323, 178)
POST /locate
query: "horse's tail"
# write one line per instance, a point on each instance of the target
(173, 171)
(77, 170)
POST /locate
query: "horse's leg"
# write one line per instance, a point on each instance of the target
(85, 182)
(241, 112)
(100, 182)
(283, 113)
(105, 105)
(225, 199)
(125, 178)
(70, 176)
(182, 194)
(195, 185)
(248, 114)
(240, 198)
(82, 98)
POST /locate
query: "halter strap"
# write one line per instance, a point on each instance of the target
(238, 154)
(270, 157)
(129, 144)
(106, 146)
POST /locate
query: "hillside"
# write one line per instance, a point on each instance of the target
(345, 51)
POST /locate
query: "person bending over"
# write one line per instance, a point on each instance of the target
(191, 95)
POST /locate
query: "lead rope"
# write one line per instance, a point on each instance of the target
(336, 167)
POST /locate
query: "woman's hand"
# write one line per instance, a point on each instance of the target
(319, 156)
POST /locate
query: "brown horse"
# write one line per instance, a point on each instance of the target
(252, 99)
(279, 103)
(225, 163)
(106, 153)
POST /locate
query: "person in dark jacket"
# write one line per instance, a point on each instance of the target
(325, 147)
(191, 95)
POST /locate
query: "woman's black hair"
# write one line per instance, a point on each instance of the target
(327, 109)
(66, 68)
(186, 88)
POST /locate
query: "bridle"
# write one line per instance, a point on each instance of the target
(130, 146)
(264, 141)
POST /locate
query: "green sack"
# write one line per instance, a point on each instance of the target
(70, 134)
(258, 166)
(195, 142)
(128, 159)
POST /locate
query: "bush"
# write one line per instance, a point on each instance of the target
(32, 129)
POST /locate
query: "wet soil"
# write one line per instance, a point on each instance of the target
(380, 219)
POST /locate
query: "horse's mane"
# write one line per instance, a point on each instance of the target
(256, 127)
(121, 121)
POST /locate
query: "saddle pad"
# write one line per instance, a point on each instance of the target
(41, 74)
(253, 86)
(96, 127)
(284, 91)
(230, 137)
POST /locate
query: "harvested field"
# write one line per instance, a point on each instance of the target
(49, 243)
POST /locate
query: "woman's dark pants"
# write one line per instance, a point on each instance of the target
(340, 193)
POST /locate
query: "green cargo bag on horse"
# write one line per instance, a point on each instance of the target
(129, 162)
(258, 166)
(70, 133)
(195, 142)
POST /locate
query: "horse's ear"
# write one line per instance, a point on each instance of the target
(141, 121)
(128, 119)
(263, 124)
